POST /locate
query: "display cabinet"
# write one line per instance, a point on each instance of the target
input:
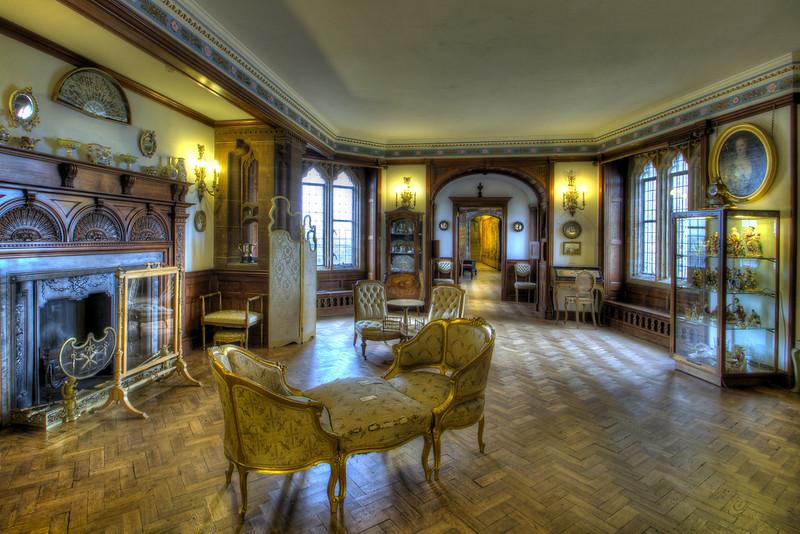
(403, 241)
(724, 294)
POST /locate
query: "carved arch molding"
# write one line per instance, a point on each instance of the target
(534, 174)
(34, 222)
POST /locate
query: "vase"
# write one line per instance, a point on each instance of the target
(181, 165)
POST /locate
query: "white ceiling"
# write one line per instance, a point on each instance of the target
(64, 26)
(397, 71)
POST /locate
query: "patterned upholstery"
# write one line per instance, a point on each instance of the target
(444, 273)
(370, 318)
(447, 302)
(368, 414)
(232, 318)
(522, 280)
(461, 349)
(269, 375)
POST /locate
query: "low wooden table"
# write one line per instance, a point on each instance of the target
(406, 304)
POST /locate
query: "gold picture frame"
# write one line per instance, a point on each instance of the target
(570, 248)
(744, 158)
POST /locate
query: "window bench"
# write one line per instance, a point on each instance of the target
(639, 321)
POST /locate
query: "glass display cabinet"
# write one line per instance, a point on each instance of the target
(724, 294)
(404, 241)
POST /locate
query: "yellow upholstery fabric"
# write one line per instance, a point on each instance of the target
(266, 374)
(427, 388)
(375, 331)
(231, 318)
(447, 302)
(423, 349)
(464, 342)
(369, 300)
(464, 414)
(368, 413)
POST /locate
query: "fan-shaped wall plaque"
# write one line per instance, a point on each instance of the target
(95, 93)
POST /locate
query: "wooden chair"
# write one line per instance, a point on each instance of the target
(584, 295)
(522, 280)
(234, 324)
(444, 273)
(469, 266)
(371, 318)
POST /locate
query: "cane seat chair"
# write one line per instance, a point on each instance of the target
(522, 281)
(584, 296)
(444, 273)
(446, 368)
(233, 325)
(372, 321)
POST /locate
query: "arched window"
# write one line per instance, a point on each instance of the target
(333, 208)
(647, 220)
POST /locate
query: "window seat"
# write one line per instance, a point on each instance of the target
(639, 321)
(334, 302)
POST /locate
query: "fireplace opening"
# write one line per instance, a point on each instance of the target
(59, 320)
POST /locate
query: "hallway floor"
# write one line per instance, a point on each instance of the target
(485, 286)
(586, 431)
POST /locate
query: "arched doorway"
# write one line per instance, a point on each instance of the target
(519, 213)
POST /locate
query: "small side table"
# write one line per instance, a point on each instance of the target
(406, 304)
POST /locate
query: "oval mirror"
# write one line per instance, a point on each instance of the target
(24, 109)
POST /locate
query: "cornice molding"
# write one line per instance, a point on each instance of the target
(187, 24)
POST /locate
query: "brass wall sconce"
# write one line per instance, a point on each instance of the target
(202, 169)
(406, 197)
(573, 200)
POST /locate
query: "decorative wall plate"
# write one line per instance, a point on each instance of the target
(517, 226)
(200, 221)
(444, 225)
(148, 143)
(95, 93)
(571, 229)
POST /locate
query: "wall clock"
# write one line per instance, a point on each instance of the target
(571, 229)
(517, 226)
(444, 225)
(95, 93)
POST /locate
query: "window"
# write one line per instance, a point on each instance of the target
(333, 208)
(658, 191)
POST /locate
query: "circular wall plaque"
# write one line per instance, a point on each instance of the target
(444, 225)
(571, 229)
(148, 143)
(517, 226)
(200, 221)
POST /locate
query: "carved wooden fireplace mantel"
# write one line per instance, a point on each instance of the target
(61, 214)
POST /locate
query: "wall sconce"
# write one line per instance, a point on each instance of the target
(406, 197)
(203, 168)
(569, 200)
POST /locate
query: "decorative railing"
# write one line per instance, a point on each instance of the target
(645, 323)
(339, 302)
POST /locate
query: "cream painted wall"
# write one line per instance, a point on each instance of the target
(392, 180)
(586, 179)
(178, 135)
(494, 185)
(778, 197)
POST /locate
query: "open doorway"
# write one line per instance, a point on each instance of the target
(480, 250)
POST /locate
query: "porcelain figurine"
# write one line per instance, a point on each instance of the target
(712, 245)
(753, 320)
(4, 135)
(752, 240)
(28, 143)
(99, 154)
(736, 245)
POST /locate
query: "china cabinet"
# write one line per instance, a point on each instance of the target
(724, 294)
(403, 241)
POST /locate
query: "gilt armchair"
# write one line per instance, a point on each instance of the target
(371, 318)
(446, 367)
(232, 325)
(259, 408)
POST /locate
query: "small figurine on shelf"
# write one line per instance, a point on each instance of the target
(753, 320)
(736, 357)
(749, 280)
(712, 245)
(736, 245)
(692, 314)
(711, 278)
(698, 278)
(752, 240)
(734, 279)
(734, 313)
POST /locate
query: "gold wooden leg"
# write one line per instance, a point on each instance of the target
(342, 479)
(243, 491)
(481, 443)
(334, 476)
(437, 452)
(426, 451)
(118, 394)
(229, 473)
(180, 365)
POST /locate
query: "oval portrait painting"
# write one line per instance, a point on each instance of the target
(745, 159)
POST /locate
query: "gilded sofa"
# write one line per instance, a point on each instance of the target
(446, 368)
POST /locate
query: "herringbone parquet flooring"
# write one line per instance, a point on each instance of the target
(587, 431)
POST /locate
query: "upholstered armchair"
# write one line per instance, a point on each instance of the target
(371, 318)
(269, 426)
(447, 302)
(522, 280)
(446, 367)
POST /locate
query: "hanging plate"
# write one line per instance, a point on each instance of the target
(95, 93)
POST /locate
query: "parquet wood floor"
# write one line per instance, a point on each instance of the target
(587, 431)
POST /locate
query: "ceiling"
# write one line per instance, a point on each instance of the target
(64, 26)
(422, 70)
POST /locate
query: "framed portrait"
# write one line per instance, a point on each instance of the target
(744, 157)
(570, 248)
